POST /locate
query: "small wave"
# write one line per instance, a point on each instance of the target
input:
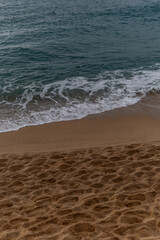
(73, 98)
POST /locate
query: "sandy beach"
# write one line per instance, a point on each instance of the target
(79, 120)
(94, 178)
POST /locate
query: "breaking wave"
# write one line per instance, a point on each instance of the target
(73, 98)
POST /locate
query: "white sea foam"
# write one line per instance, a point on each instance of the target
(74, 98)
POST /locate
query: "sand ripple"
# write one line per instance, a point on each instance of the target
(102, 193)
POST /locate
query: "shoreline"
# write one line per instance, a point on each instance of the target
(132, 124)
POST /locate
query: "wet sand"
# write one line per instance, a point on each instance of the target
(95, 178)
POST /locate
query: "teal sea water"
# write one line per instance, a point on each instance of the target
(62, 60)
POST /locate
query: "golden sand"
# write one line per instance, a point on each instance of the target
(108, 188)
(108, 193)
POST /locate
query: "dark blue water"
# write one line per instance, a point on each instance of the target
(62, 60)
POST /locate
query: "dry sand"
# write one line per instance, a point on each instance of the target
(108, 188)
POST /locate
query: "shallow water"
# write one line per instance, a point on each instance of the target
(62, 60)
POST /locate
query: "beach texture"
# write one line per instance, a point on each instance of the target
(94, 178)
(79, 120)
(110, 193)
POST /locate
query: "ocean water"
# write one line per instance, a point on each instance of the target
(62, 60)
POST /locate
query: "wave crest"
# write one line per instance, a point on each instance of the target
(74, 98)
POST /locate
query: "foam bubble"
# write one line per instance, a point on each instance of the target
(73, 98)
